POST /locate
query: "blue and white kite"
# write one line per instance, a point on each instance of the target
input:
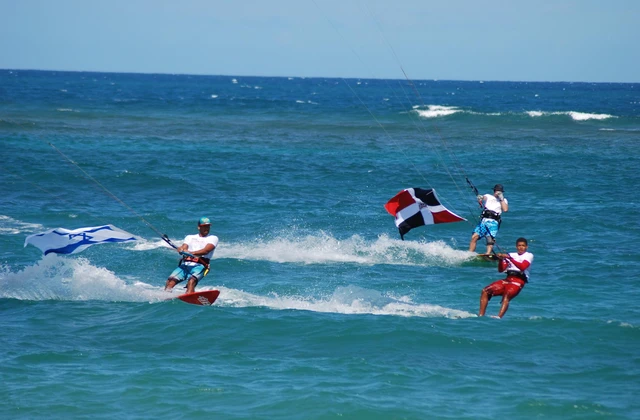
(65, 241)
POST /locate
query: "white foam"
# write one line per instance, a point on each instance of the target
(74, 279)
(348, 300)
(322, 248)
(583, 116)
(145, 245)
(576, 116)
(11, 226)
(434, 111)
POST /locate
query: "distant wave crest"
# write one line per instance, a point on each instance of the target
(438, 111)
(434, 111)
(576, 116)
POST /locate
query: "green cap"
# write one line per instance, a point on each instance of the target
(204, 221)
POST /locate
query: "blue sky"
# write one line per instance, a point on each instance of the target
(535, 40)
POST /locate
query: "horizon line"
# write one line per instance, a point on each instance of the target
(313, 77)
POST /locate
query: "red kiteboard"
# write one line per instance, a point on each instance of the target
(205, 298)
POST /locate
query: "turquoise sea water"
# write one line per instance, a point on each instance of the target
(324, 312)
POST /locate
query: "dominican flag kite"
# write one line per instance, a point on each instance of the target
(65, 241)
(415, 207)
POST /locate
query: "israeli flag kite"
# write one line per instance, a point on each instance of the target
(65, 241)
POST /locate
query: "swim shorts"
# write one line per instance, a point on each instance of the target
(510, 287)
(486, 227)
(185, 271)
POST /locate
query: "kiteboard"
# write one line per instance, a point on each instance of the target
(487, 257)
(204, 298)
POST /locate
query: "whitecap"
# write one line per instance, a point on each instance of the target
(434, 111)
(583, 116)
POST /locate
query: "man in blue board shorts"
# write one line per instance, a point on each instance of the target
(493, 205)
(517, 265)
(196, 265)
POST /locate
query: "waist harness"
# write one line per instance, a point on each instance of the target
(489, 214)
(517, 274)
(200, 260)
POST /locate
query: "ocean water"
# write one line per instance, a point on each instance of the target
(324, 312)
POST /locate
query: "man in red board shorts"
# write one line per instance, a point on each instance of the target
(517, 265)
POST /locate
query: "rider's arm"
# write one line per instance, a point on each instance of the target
(204, 251)
(520, 265)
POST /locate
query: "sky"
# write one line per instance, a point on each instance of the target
(505, 40)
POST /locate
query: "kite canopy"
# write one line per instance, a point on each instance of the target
(414, 207)
(65, 241)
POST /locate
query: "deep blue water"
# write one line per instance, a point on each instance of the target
(324, 312)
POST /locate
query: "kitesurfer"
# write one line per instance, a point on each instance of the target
(196, 252)
(517, 265)
(493, 205)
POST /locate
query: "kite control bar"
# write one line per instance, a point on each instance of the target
(184, 253)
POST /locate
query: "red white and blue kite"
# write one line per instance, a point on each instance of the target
(416, 207)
